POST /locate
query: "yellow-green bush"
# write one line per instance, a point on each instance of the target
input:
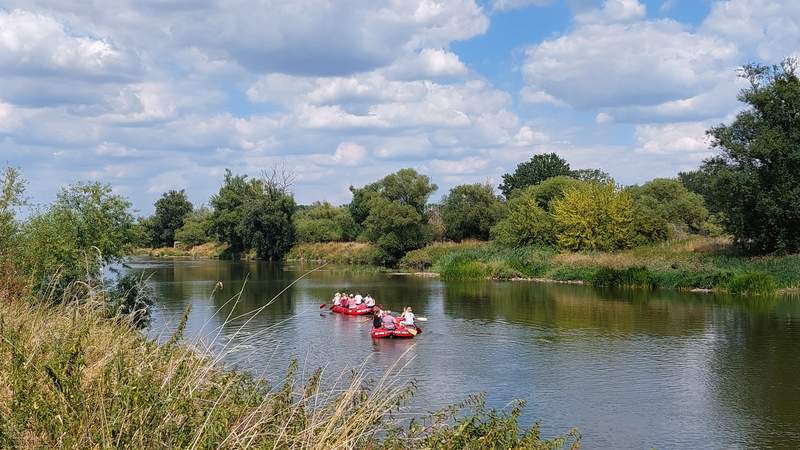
(594, 217)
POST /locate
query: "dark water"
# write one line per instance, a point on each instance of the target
(629, 369)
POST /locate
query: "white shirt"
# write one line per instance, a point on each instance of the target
(359, 299)
(370, 301)
(337, 300)
(408, 318)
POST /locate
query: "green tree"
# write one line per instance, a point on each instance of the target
(228, 209)
(756, 177)
(171, 211)
(470, 211)
(526, 222)
(592, 176)
(539, 168)
(671, 200)
(12, 189)
(594, 217)
(266, 225)
(195, 228)
(397, 212)
(552, 188)
(86, 228)
(323, 222)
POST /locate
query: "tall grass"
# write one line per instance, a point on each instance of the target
(358, 253)
(72, 378)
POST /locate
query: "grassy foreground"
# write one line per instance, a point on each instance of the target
(72, 379)
(691, 263)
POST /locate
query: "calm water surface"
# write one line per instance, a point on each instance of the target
(629, 369)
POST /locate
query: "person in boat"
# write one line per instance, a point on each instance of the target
(377, 318)
(407, 318)
(369, 301)
(345, 301)
(337, 299)
(359, 299)
(388, 320)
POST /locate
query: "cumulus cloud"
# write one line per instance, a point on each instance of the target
(430, 63)
(771, 30)
(613, 11)
(686, 137)
(621, 64)
(34, 44)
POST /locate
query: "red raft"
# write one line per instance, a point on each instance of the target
(379, 333)
(360, 311)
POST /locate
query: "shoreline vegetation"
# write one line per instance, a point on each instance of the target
(695, 263)
(73, 378)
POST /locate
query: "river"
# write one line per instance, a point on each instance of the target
(631, 369)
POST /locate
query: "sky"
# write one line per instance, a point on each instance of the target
(153, 95)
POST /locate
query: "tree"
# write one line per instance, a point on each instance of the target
(12, 189)
(86, 228)
(539, 168)
(551, 189)
(526, 222)
(322, 222)
(228, 209)
(396, 212)
(171, 210)
(266, 224)
(470, 211)
(755, 178)
(195, 228)
(594, 217)
(592, 176)
(674, 203)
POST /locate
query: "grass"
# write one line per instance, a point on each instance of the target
(71, 378)
(209, 250)
(357, 253)
(692, 263)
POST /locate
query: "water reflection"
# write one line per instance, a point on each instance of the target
(631, 369)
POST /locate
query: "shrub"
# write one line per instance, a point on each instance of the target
(469, 211)
(526, 223)
(594, 217)
(754, 283)
(463, 267)
(630, 277)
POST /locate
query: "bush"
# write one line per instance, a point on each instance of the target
(594, 217)
(469, 211)
(195, 229)
(322, 222)
(630, 277)
(463, 267)
(753, 283)
(526, 223)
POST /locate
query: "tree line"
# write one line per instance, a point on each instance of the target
(751, 191)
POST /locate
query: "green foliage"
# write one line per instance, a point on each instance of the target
(195, 229)
(592, 176)
(755, 179)
(526, 222)
(254, 215)
(649, 224)
(131, 298)
(171, 211)
(752, 283)
(12, 190)
(594, 217)
(396, 221)
(469, 211)
(636, 276)
(539, 168)
(322, 222)
(86, 228)
(674, 203)
(552, 188)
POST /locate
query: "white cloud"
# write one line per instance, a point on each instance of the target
(349, 154)
(687, 137)
(430, 63)
(627, 64)
(770, 29)
(37, 45)
(613, 11)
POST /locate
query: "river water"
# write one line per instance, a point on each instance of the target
(629, 368)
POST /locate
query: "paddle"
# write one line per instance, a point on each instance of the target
(412, 331)
(322, 306)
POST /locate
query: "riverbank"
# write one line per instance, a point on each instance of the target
(695, 263)
(72, 379)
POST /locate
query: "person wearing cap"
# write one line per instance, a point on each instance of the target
(337, 299)
(369, 301)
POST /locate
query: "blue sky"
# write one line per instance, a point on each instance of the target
(155, 95)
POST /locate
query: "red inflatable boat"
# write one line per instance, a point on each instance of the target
(379, 333)
(360, 311)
